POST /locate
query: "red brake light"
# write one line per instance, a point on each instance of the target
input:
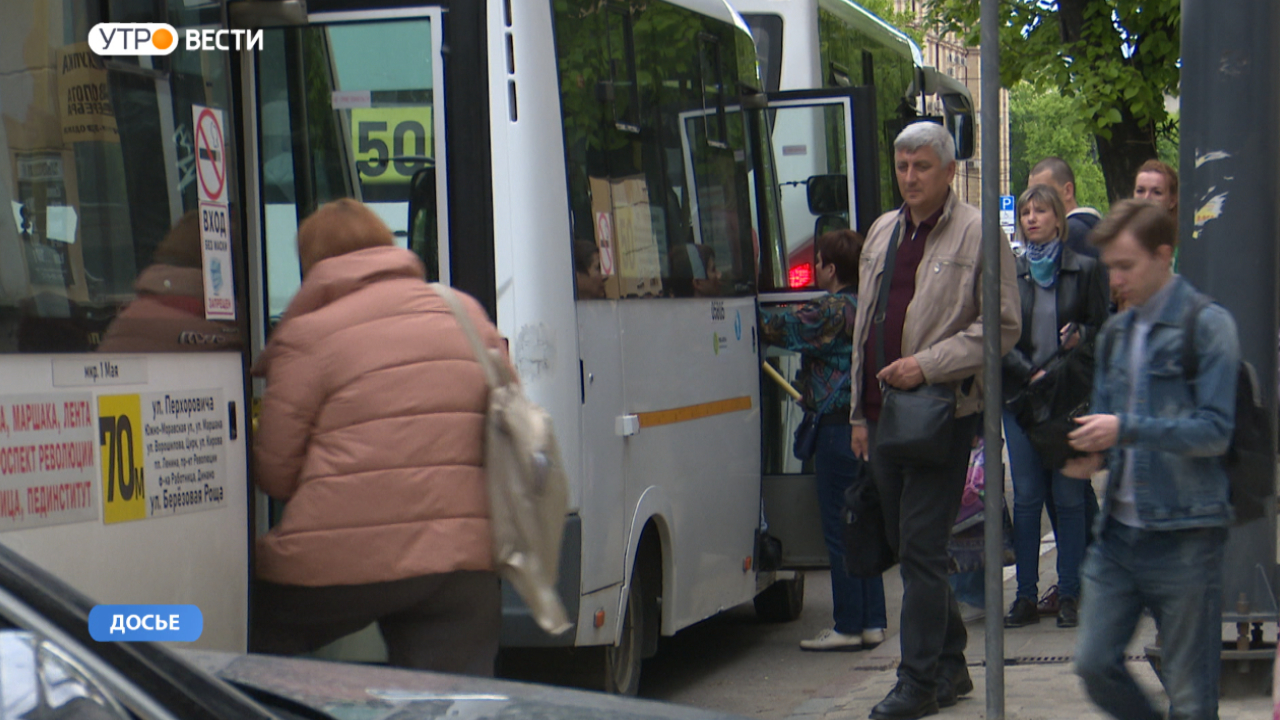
(801, 276)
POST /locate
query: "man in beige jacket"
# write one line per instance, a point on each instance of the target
(932, 326)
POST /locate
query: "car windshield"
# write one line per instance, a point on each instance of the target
(51, 667)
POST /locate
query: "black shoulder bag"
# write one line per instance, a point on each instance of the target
(867, 552)
(916, 426)
(806, 440)
(1046, 409)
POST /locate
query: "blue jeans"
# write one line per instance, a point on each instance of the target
(1178, 575)
(1032, 482)
(859, 602)
(970, 587)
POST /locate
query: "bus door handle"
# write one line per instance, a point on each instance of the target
(627, 425)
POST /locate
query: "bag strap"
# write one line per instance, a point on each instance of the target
(1190, 360)
(882, 298)
(1058, 354)
(451, 299)
(826, 404)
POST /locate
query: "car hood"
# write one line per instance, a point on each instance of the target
(348, 691)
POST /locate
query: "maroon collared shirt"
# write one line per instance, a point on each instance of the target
(901, 289)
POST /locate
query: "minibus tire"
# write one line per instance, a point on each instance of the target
(622, 661)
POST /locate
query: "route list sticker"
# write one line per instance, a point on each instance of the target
(167, 454)
(46, 460)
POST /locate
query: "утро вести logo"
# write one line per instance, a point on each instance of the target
(114, 39)
(133, 39)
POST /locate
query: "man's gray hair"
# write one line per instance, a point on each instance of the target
(919, 134)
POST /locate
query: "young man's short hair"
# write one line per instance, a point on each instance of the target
(842, 248)
(1150, 223)
(1058, 169)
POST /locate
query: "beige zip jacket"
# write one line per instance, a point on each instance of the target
(943, 327)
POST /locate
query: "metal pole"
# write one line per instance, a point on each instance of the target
(1229, 224)
(993, 470)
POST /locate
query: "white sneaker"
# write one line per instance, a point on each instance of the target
(971, 613)
(873, 636)
(831, 640)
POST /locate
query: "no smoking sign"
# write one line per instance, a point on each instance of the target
(211, 164)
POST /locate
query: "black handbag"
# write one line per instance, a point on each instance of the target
(867, 552)
(1046, 409)
(806, 439)
(916, 426)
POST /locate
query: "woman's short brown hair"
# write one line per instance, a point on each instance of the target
(1150, 223)
(842, 248)
(1165, 169)
(337, 228)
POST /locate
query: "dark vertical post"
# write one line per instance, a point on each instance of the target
(1229, 223)
(300, 127)
(993, 470)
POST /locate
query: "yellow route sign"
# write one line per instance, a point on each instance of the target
(381, 134)
(124, 495)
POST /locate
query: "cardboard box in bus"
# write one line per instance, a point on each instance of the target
(624, 232)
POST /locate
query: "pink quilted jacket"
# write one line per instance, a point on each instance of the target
(372, 428)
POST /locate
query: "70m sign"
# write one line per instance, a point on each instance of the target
(124, 493)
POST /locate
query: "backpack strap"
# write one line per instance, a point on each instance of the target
(491, 374)
(1190, 360)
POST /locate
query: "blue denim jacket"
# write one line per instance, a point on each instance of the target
(1181, 430)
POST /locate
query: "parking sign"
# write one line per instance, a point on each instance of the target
(1006, 214)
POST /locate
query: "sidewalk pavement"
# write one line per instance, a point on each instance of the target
(1039, 681)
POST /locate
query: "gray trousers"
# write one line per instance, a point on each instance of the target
(447, 622)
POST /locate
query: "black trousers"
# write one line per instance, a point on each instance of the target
(920, 506)
(448, 622)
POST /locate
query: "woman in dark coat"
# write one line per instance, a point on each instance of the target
(1064, 303)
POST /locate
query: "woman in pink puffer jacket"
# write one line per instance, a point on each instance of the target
(371, 432)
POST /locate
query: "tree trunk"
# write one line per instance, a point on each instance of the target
(1120, 157)
(1070, 20)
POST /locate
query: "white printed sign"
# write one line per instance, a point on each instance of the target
(215, 249)
(47, 467)
(184, 449)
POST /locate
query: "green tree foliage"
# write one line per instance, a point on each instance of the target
(904, 21)
(1040, 125)
(1115, 59)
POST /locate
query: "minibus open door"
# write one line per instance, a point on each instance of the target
(824, 149)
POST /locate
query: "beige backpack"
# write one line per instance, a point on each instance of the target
(528, 488)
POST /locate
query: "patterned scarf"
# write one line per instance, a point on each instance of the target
(1044, 261)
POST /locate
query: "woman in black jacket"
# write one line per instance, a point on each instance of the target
(1064, 303)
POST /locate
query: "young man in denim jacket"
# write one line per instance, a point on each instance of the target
(1164, 518)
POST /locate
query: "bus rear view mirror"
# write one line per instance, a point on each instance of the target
(828, 194)
(829, 223)
(959, 118)
(961, 127)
